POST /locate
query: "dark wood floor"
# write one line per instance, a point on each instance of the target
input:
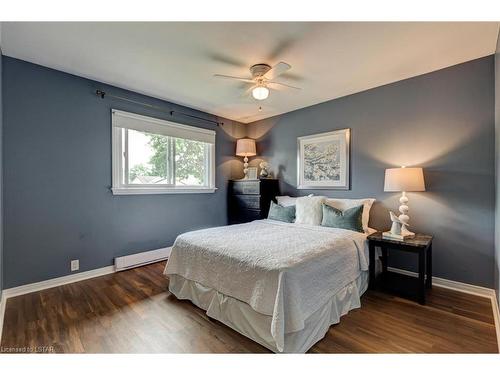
(132, 311)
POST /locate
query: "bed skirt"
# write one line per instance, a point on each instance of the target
(242, 318)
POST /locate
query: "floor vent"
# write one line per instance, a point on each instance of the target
(140, 259)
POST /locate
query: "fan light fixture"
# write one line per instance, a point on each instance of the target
(260, 92)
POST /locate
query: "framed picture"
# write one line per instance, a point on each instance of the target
(252, 173)
(323, 160)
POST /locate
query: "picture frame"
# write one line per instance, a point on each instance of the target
(323, 160)
(252, 173)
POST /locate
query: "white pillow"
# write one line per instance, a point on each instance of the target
(344, 204)
(287, 201)
(308, 210)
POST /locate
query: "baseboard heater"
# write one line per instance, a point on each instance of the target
(140, 259)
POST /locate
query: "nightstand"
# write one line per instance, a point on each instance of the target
(406, 285)
(249, 200)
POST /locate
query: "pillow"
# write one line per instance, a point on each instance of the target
(280, 213)
(344, 204)
(308, 210)
(351, 219)
(286, 200)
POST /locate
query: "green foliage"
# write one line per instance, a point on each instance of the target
(189, 158)
(139, 170)
(158, 161)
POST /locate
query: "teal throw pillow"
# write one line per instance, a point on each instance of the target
(349, 219)
(280, 213)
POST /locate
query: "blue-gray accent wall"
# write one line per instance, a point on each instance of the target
(57, 178)
(1, 175)
(497, 169)
(442, 121)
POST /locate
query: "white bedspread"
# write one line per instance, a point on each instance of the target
(283, 270)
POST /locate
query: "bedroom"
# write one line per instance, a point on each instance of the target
(249, 187)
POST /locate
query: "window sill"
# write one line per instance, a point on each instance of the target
(148, 191)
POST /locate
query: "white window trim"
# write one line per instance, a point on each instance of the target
(119, 188)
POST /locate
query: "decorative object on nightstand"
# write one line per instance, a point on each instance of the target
(402, 180)
(252, 173)
(250, 199)
(397, 282)
(245, 147)
(264, 166)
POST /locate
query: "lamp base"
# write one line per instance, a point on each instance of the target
(245, 168)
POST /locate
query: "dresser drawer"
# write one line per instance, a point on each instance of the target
(245, 187)
(247, 201)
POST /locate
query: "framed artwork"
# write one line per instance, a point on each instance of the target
(252, 173)
(323, 160)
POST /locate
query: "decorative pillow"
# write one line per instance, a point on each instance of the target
(280, 213)
(308, 210)
(349, 219)
(344, 204)
(286, 200)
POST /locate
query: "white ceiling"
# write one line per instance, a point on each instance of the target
(176, 61)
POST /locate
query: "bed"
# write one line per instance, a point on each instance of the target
(280, 284)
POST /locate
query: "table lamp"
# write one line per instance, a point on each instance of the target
(402, 180)
(245, 147)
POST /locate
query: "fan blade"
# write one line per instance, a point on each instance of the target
(276, 70)
(247, 92)
(283, 84)
(232, 77)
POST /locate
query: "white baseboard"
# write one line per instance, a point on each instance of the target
(141, 259)
(3, 302)
(496, 316)
(58, 281)
(464, 288)
(450, 284)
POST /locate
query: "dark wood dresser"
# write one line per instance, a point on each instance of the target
(250, 199)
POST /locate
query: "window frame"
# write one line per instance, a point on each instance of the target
(120, 160)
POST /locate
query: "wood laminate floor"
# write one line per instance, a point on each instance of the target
(132, 312)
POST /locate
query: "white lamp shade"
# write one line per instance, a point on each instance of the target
(260, 92)
(245, 147)
(404, 179)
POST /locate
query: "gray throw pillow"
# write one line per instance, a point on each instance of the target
(351, 218)
(280, 213)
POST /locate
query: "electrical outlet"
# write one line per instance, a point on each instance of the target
(75, 265)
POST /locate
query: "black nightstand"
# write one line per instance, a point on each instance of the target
(405, 285)
(249, 200)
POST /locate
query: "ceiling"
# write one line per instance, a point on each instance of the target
(176, 61)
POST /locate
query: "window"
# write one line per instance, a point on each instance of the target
(153, 156)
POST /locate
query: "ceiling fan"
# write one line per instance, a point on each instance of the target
(262, 79)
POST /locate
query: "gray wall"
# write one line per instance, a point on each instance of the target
(57, 175)
(442, 121)
(1, 181)
(497, 169)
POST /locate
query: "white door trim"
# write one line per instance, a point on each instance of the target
(3, 302)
